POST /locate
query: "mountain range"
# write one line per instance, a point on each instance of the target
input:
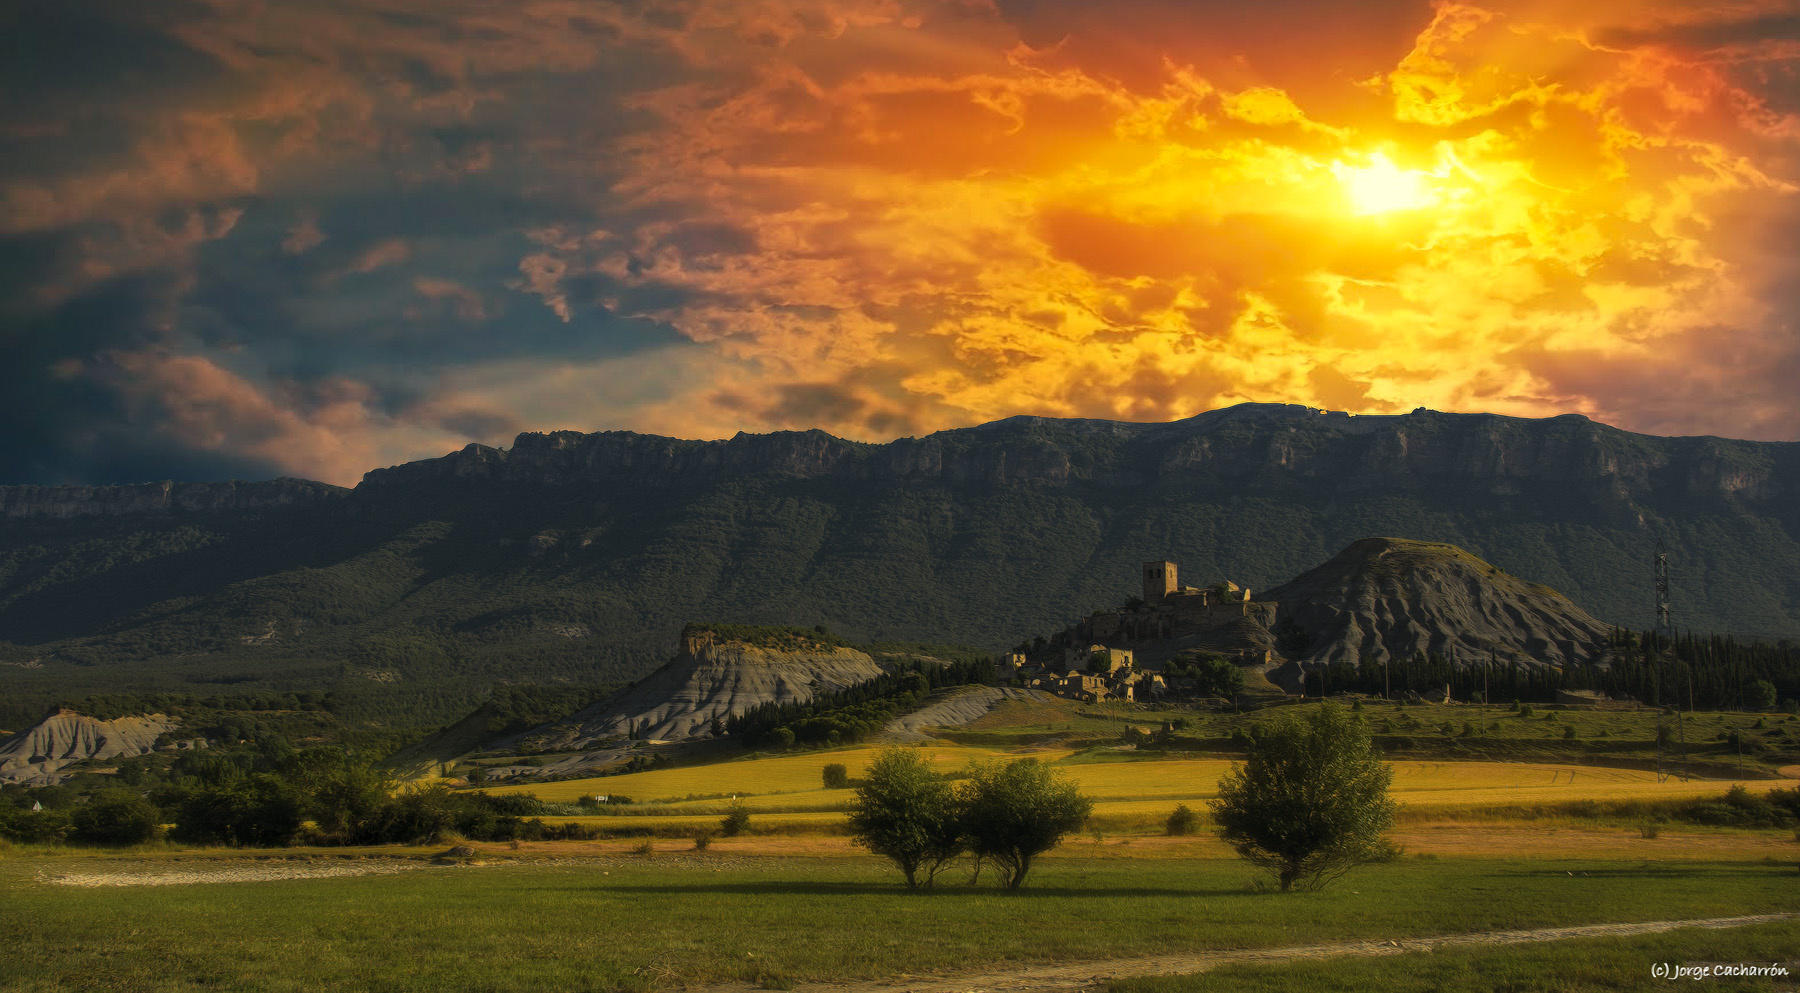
(580, 557)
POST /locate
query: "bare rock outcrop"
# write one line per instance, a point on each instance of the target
(37, 757)
(1389, 598)
(711, 679)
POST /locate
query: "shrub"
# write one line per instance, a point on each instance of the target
(909, 814)
(703, 841)
(1647, 830)
(1568, 732)
(1182, 821)
(262, 811)
(736, 821)
(1015, 812)
(645, 847)
(33, 827)
(1524, 710)
(835, 776)
(114, 817)
(1311, 802)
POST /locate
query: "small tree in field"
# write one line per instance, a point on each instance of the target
(1311, 802)
(836, 776)
(909, 814)
(1015, 812)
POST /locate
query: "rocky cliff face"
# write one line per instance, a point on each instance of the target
(155, 499)
(1385, 599)
(1249, 444)
(709, 680)
(37, 756)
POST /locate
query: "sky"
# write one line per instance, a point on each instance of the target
(250, 239)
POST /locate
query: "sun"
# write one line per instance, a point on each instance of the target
(1381, 187)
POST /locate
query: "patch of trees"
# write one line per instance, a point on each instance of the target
(521, 708)
(320, 796)
(1209, 674)
(1002, 814)
(855, 713)
(1716, 672)
(781, 638)
(1696, 672)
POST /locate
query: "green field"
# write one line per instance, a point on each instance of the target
(644, 922)
(1582, 965)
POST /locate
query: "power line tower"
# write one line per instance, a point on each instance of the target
(1665, 634)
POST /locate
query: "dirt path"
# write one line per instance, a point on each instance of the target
(1090, 975)
(230, 873)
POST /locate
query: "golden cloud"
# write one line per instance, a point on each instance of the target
(1509, 202)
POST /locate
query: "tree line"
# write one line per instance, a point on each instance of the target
(1695, 672)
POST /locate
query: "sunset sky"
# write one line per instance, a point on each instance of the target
(311, 238)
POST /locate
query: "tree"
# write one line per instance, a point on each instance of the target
(114, 817)
(1311, 802)
(1762, 695)
(835, 776)
(1015, 812)
(909, 814)
(736, 820)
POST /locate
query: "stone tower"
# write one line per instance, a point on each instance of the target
(1159, 581)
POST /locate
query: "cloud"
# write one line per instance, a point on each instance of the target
(883, 217)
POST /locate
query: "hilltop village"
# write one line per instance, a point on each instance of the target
(1143, 650)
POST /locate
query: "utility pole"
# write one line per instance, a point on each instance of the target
(1665, 632)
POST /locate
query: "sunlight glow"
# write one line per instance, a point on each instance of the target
(1381, 187)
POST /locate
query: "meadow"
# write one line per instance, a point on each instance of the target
(642, 922)
(1485, 845)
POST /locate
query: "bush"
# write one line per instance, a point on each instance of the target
(1014, 812)
(736, 821)
(263, 811)
(835, 776)
(114, 817)
(1182, 822)
(1648, 830)
(1762, 694)
(1740, 808)
(909, 814)
(33, 827)
(703, 841)
(1311, 802)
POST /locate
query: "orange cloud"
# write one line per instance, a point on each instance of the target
(1511, 201)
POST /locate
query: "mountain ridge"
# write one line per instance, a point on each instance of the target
(578, 557)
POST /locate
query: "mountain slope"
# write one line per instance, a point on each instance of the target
(578, 557)
(1386, 599)
(713, 678)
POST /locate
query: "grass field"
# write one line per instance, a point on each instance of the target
(634, 923)
(1583, 965)
(1463, 730)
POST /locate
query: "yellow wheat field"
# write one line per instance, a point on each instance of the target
(752, 778)
(791, 786)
